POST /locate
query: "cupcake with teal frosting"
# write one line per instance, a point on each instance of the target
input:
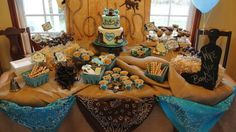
(139, 83)
(123, 78)
(115, 77)
(108, 72)
(134, 77)
(104, 84)
(124, 73)
(116, 70)
(128, 84)
(107, 78)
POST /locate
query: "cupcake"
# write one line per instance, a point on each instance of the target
(139, 83)
(107, 77)
(116, 70)
(124, 73)
(103, 84)
(108, 72)
(168, 33)
(107, 61)
(111, 56)
(123, 78)
(128, 84)
(85, 57)
(134, 77)
(116, 77)
(77, 54)
(175, 26)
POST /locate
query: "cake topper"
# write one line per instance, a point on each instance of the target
(131, 4)
(111, 12)
(210, 56)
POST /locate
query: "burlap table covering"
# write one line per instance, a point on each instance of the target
(176, 86)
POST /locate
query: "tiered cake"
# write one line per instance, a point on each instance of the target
(110, 34)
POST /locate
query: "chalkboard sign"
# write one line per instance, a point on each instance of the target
(210, 55)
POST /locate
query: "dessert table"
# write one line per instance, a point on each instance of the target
(153, 118)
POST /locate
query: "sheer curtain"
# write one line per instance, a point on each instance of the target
(22, 24)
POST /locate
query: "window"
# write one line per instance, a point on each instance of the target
(169, 12)
(38, 12)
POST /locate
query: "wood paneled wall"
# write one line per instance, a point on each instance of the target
(84, 17)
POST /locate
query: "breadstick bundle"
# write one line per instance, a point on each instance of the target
(37, 76)
(37, 71)
(155, 68)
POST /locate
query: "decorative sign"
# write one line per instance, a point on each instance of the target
(210, 56)
(207, 77)
(132, 4)
(47, 26)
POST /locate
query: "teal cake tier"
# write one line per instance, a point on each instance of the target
(111, 22)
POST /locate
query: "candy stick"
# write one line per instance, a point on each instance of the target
(36, 71)
(34, 68)
(40, 73)
(148, 69)
(154, 68)
(163, 70)
(151, 68)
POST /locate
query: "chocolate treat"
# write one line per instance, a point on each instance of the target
(65, 75)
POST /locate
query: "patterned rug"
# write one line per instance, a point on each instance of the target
(115, 115)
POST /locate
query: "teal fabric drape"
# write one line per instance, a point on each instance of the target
(39, 119)
(188, 116)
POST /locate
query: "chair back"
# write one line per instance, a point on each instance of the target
(1, 71)
(226, 34)
(16, 45)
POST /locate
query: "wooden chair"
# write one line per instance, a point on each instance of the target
(16, 46)
(221, 34)
(1, 71)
